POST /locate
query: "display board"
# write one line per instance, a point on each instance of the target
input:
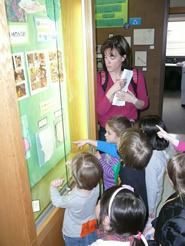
(40, 82)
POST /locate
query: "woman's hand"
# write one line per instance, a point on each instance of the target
(130, 97)
(117, 86)
(126, 96)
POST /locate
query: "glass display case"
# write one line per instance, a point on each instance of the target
(52, 105)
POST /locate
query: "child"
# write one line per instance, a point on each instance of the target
(170, 224)
(157, 165)
(178, 144)
(79, 219)
(110, 164)
(135, 151)
(121, 218)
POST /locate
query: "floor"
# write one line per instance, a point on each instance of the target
(173, 112)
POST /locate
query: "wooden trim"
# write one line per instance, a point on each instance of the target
(177, 10)
(17, 225)
(49, 233)
(91, 66)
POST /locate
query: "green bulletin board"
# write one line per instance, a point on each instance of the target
(40, 83)
(111, 13)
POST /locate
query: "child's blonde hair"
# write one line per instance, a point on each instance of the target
(119, 124)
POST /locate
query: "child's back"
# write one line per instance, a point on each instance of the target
(135, 151)
(79, 218)
(157, 165)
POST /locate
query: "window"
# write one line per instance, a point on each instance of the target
(175, 38)
(53, 106)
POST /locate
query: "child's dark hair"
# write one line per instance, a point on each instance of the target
(135, 148)
(148, 126)
(86, 170)
(127, 213)
(176, 172)
(119, 124)
(119, 43)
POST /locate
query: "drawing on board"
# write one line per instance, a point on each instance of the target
(140, 58)
(144, 36)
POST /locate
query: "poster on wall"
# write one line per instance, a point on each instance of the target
(112, 13)
(20, 77)
(37, 71)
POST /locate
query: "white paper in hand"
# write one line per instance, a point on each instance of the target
(127, 74)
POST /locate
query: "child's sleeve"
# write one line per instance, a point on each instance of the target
(180, 147)
(108, 148)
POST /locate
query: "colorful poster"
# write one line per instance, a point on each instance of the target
(111, 13)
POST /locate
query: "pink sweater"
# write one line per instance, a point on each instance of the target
(106, 110)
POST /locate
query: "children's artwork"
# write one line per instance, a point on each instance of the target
(14, 12)
(144, 36)
(45, 145)
(37, 71)
(140, 58)
(56, 70)
(20, 78)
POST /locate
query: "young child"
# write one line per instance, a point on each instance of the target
(170, 224)
(157, 165)
(121, 215)
(110, 164)
(178, 144)
(79, 219)
(135, 151)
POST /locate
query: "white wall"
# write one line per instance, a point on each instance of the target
(177, 3)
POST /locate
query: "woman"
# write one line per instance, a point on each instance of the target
(116, 57)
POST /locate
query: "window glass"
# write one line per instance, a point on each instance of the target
(176, 38)
(45, 95)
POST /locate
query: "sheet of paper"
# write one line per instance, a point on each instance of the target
(127, 74)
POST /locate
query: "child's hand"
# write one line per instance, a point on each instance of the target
(162, 133)
(80, 143)
(56, 183)
(97, 154)
(149, 234)
(69, 163)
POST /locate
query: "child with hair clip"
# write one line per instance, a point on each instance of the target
(156, 167)
(110, 164)
(169, 227)
(79, 223)
(121, 215)
(179, 145)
